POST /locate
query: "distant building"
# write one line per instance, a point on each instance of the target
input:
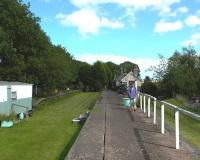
(15, 97)
(126, 78)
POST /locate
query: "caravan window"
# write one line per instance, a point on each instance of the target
(14, 95)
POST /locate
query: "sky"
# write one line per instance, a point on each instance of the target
(120, 30)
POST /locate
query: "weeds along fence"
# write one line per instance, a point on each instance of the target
(142, 97)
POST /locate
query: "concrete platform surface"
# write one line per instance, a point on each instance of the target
(115, 133)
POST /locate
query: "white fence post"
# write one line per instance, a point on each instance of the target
(177, 128)
(154, 111)
(149, 112)
(141, 102)
(162, 119)
(144, 104)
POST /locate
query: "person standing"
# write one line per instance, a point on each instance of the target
(132, 92)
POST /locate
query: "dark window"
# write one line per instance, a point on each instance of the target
(14, 95)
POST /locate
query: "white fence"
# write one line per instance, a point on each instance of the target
(176, 115)
(142, 97)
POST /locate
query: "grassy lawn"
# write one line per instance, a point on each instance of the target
(189, 128)
(49, 134)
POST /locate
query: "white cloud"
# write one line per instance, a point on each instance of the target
(163, 26)
(144, 63)
(111, 24)
(131, 7)
(138, 4)
(91, 58)
(192, 21)
(195, 40)
(167, 12)
(87, 21)
(182, 9)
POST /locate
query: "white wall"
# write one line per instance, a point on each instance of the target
(3, 93)
(129, 77)
(23, 91)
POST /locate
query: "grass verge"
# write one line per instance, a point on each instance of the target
(49, 134)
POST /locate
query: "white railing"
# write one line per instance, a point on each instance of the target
(142, 97)
(176, 115)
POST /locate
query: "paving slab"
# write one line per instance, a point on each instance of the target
(116, 133)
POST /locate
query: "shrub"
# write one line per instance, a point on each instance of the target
(149, 88)
(4, 117)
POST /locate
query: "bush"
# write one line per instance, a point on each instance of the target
(149, 88)
(97, 86)
(4, 117)
(182, 100)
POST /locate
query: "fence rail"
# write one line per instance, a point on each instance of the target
(142, 97)
(143, 105)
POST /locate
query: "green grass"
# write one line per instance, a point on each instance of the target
(49, 134)
(189, 128)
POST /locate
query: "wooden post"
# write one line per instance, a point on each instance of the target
(154, 111)
(177, 128)
(149, 112)
(162, 119)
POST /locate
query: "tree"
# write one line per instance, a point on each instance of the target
(109, 75)
(85, 76)
(27, 53)
(149, 87)
(99, 73)
(160, 70)
(180, 74)
(127, 66)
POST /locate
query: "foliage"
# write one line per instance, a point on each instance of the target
(12, 117)
(149, 87)
(24, 45)
(28, 55)
(160, 70)
(182, 100)
(127, 66)
(180, 74)
(114, 68)
(109, 75)
(99, 73)
(85, 76)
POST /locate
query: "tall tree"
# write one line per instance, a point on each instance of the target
(180, 74)
(85, 76)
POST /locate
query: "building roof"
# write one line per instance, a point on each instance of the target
(4, 83)
(122, 76)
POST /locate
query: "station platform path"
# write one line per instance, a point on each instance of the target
(116, 133)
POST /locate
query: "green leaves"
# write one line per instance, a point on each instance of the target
(27, 53)
(181, 73)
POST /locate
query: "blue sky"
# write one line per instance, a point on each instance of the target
(120, 30)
